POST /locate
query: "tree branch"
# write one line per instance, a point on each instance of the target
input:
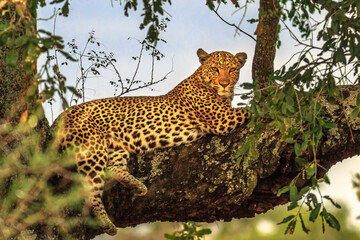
(204, 182)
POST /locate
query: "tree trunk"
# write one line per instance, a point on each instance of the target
(267, 36)
(15, 100)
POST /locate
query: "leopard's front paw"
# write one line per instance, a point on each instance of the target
(109, 228)
(141, 189)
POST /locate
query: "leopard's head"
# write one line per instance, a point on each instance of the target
(220, 70)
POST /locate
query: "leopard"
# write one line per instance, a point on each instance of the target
(103, 133)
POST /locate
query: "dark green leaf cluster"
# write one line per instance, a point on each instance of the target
(291, 103)
(338, 33)
(341, 31)
(190, 231)
(211, 3)
(32, 191)
(152, 12)
(299, 13)
(315, 208)
(64, 10)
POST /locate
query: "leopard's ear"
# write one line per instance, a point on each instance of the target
(242, 58)
(202, 55)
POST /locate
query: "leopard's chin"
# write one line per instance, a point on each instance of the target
(227, 94)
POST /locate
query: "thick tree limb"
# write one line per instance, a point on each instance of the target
(267, 36)
(203, 182)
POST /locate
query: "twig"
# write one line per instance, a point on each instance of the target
(235, 26)
(136, 71)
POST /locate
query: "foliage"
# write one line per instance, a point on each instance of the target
(152, 10)
(315, 207)
(356, 185)
(27, 168)
(291, 103)
(29, 195)
(264, 226)
(190, 231)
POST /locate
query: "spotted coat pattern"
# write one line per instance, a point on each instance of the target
(103, 133)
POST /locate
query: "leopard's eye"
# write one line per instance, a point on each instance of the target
(215, 69)
(232, 70)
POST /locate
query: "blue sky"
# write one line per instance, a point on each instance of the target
(192, 26)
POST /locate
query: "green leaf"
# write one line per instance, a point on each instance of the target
(289, 100)
(304, 145)
(310, 171)
(330, 125)
(300, 161)
(312, 199)
(283, 190)
(304, 228)
(203, 232)
(3, 26)
(332, 201)
(243, 149)
(292, 205)
(210, 4)
(315, 213)
(248, 85)
(340, 56)
(291, 227)
(285, 220)
(293, 193)
(12, 57)
(21, 41)
(168, 236)
(331, 220)
(354, 113)
(314, 182)
(65, 9)
(326, 179)
(297, 149)
(326, 124)
(303, 191)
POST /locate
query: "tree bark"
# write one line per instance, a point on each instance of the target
(15, 99)
(267, 36)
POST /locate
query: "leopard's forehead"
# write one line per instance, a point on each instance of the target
(223, 58)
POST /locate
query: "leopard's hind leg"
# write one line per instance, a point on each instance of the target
(117, 165)
(91, 162)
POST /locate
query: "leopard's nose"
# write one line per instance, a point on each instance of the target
(224, 84)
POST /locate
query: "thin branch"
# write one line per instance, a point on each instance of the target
(242, 18)
(234, 25)
(136, 71)
(149, 84)
(293, 36)
(146, 85)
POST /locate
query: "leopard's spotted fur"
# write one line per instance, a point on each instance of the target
(102, 133)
